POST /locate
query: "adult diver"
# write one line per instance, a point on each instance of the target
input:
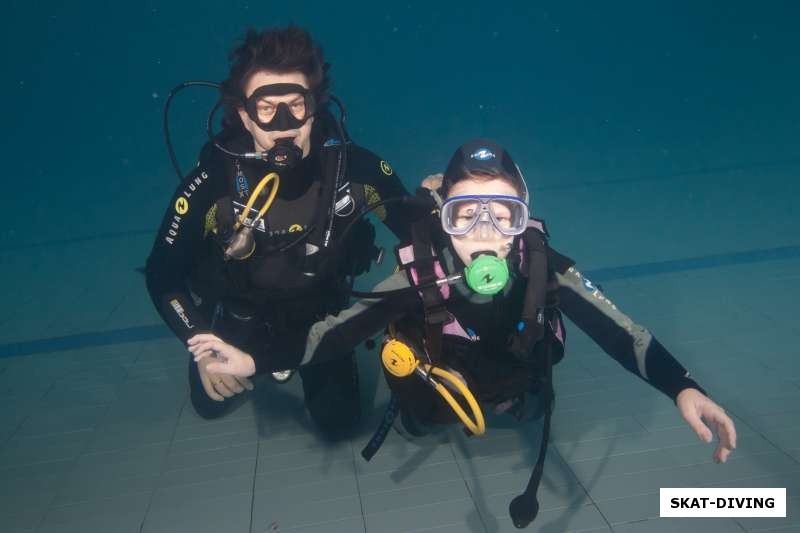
(474, 319)
(250, 246)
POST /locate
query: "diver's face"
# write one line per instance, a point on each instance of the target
(483, 237)
(265, 140)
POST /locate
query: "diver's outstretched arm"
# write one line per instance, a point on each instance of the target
(635, 348)
(340, 333)
(632, 345)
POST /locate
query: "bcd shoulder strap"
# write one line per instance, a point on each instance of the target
(531, 326)
(433, 304)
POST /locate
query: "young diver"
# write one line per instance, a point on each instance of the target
(251, 247)
(476, 309)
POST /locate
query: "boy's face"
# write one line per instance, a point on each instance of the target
(484, 237)
(265, 140)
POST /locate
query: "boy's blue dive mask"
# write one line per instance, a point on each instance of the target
(488, 217)
(508, 215)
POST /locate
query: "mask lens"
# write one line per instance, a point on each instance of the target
(464, 213)
(507, 215)
(268, 107)
(297, 108)
(281, 106)
(510, 217)
(265, 110)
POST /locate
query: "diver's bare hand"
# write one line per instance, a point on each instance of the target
(220, 386)
(432, 182)
(222, 358)
(696, 407)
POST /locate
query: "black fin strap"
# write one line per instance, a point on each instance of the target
(379, 436)
(524, 508)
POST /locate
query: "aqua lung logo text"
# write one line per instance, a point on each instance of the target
(482, 154)
(182, 206)
(192, 185)
(172, 231)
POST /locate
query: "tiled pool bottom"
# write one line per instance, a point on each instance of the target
(102, 438)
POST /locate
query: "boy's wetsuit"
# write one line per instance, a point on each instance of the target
(265, 304)
(481, 356)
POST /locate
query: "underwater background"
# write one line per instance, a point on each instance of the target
(661, 143)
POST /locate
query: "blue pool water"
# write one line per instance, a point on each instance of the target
(660, 141)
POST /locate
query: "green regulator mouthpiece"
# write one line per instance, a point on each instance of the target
(487, 274)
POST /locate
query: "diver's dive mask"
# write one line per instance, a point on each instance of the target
(487, 218)
(508, 215)
(284, 116)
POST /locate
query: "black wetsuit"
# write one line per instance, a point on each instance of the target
(265, 303)
(493, 374)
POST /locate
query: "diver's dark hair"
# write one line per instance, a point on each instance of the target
(482, 160)
(282, 50)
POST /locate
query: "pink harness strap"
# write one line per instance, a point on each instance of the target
(406, 255)
(455, 328)
(534, 223)
(557, 330)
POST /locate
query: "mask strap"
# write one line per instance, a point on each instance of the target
(527, 197)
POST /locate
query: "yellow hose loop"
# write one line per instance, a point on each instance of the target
(478, 426)
(399, 360)
(272, 176)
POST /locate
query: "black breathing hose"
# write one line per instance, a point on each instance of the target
(175, 90)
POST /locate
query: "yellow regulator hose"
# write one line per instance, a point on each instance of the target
(272, 176)
(400, 361)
